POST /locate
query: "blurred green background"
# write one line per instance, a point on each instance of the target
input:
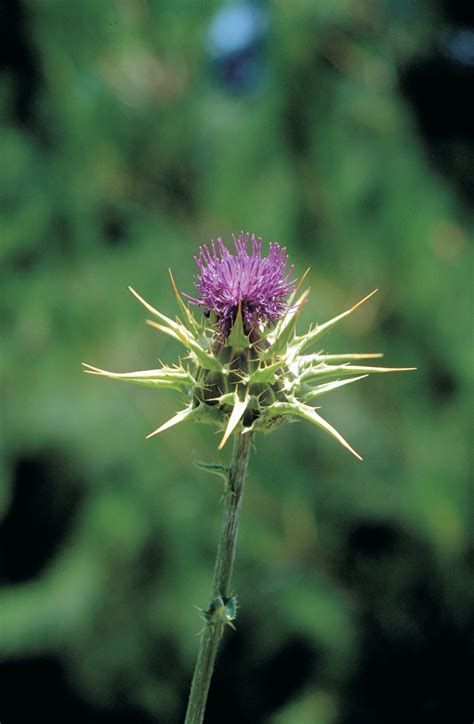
(132, 132)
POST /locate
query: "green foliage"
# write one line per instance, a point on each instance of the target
(126, 158)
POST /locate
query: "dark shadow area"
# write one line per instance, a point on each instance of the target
(38, 688)
(438, 87)
(114, 225)
(414, 650)
(19, 60)
(257, 688)
(47, 494)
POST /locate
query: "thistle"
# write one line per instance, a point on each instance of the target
(246, 369)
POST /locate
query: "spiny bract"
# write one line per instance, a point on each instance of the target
(246, 368)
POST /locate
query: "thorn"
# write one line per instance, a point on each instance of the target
(359, 303)
(234, 419)
(142, 301)
(301, 280)
(162, 328)
(179, 417)
(173, 283)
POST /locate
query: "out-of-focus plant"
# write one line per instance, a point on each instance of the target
(246, 370)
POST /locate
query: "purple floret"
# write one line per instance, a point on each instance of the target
(260, 284)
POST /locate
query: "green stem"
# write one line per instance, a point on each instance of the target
(222, 608)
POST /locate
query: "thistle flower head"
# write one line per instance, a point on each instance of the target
(232, 380)
(258, 284)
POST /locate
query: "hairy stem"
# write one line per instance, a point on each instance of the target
(221, 610)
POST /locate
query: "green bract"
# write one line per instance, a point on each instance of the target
(255, 382)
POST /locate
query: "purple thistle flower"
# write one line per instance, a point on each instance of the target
(259, 284)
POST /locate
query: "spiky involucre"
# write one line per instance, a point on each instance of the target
(259, 284)
(245, 382)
